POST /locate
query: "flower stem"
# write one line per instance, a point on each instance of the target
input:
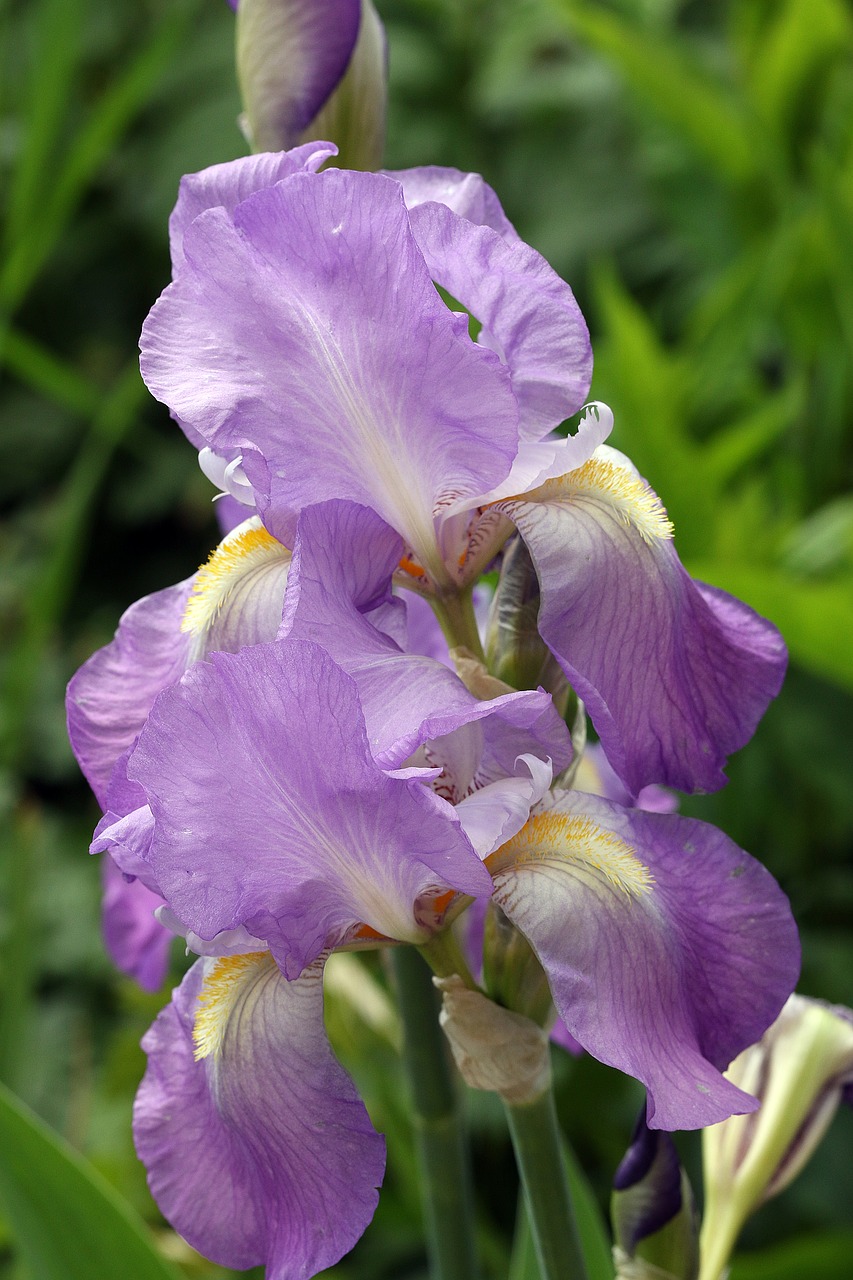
(456, 617)
(448, 1202)
(536, 1139)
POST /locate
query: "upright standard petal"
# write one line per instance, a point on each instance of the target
(270, 812)
(668, 949)
(258, 1149)
(529, 315)
(675, 675)
(466, 194)
(307, 327)
(226, 185)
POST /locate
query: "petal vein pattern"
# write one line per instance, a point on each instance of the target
(305, 332)
(237, 595)
(675, 676)
(557, 839)
(274, 1160)
(270, 812)
(667, 948)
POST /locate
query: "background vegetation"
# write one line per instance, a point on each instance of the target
(688, 167)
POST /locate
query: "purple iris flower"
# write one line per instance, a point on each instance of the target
(305, 351)
(324, 787)
(274, 835)
(236, 600)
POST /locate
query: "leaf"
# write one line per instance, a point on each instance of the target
(68, 1222)
(646, 385)
(820, 1257)
(736, 446)
(804, 36)
(117, 107)
(55, 40)
(595, 1241)
(662, 74)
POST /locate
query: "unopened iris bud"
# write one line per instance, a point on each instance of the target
(515, 650)
(800, 1069)
(652, 1210)
(313, 69)
(512, 973)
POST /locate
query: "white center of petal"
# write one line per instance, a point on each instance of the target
(608, 485)
(559, 838)
(381, 453)
(224, 984)
(235, 567)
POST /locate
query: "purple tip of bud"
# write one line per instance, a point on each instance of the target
(653, 1160)
(232, 4)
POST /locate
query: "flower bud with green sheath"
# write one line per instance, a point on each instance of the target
(313, 69)
(801, 1069)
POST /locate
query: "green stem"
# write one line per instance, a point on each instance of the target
(448, 1202)
(444, 956)
(456, 617)
(536, 1139)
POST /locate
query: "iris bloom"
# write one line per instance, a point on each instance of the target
(305, 351)
(330, 790)
(236, 600)
(284, 776)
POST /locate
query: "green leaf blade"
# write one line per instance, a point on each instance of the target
(68, 1222)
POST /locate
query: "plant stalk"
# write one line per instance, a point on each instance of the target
(446, 1181)
(536, 1139)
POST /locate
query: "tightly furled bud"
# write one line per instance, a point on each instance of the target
(652, 1211)
(310, 69)
(516, 652)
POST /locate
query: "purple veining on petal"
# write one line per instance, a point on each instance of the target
(339, 596)
(668, 949)
(270, 812)
(465, 194)
(227, 185)
(675, 675)
(529, 314)
(261, 1152)
(597, 776)
(110, 696)
(282, 332)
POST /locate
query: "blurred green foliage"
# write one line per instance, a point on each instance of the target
(688, 167)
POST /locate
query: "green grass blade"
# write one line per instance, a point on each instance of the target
(50, 376)
(48, 598)
(735, 447)
(819, 1257)
(803, 38)
(707, 117)
(54, 52)
(595, 1240)
(107, 123)
(68, 1222)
